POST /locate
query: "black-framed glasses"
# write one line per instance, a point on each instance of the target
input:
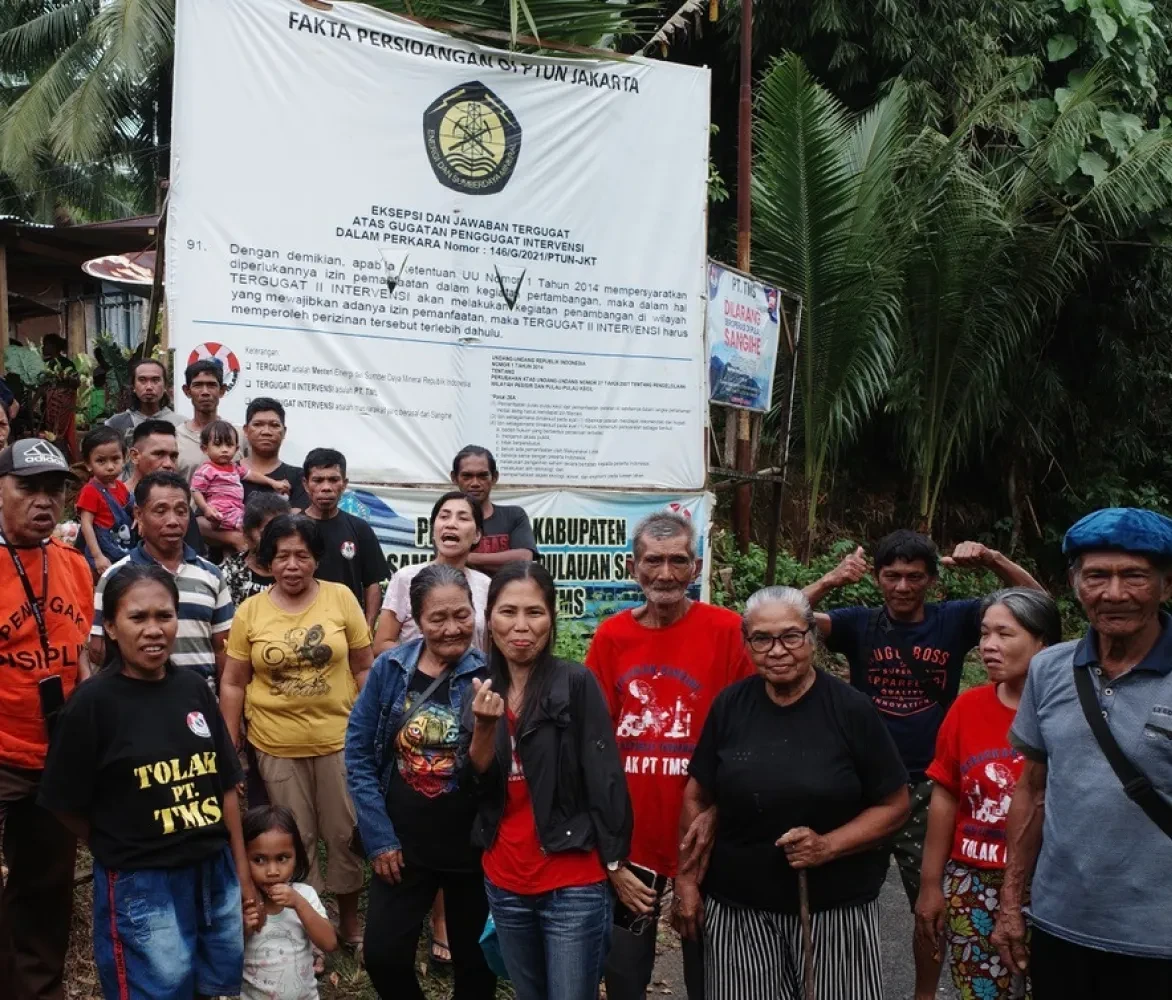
(763, 642)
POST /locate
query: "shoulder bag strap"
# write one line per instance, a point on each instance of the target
(416, 705)
(933, 690)
(1135, 783)
(120, 514)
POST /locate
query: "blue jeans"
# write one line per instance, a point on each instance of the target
(169, 933)
(555, 943)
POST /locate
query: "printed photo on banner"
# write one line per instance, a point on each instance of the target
(746, 321)
(470, 272)
(583, 537)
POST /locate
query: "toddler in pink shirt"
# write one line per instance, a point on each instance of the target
(217, 486)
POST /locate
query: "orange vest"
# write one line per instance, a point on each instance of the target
(68, 610)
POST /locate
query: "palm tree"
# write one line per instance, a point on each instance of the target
(827, 226)
(86, 113)
(993, 255)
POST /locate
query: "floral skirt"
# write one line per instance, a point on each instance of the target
(978, 973)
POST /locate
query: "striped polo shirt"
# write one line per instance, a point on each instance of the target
(205, 607)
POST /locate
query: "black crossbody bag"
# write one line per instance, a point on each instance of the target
(880, 623)
(1136, 784)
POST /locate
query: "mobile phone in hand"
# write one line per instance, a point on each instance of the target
(638, 922)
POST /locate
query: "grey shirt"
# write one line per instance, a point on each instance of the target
(1102, 875)
(125, 421)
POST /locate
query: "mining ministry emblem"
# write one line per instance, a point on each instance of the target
(472, 139)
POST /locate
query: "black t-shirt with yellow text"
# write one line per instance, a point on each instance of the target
(147, 764)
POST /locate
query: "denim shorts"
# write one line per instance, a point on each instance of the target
(169, 933)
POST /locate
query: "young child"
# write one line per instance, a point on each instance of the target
(104, 505)
(217, 486)
(278, 950)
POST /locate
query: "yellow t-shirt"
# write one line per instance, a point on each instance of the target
(299, 699)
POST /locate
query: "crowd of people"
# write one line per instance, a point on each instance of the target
(213, 693)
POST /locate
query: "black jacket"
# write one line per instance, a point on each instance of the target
(572, 769)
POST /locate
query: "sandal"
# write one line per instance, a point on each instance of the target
(441, 954)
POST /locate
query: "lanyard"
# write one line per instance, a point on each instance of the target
(37, 604)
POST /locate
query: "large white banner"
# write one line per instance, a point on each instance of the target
(416, 243)
(583, 537)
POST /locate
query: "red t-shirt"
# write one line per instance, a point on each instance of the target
(516, 862)
(975, 762)
(659, 684)
(90, 499)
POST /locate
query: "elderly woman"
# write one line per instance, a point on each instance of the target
(243, 574)
(805, 777)
(297, 656)
(555, 817)
(404, 751)
(974, 773)
(457, 524)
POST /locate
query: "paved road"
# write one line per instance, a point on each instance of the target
(895, 927)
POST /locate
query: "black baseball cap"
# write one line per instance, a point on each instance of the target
(33, 457)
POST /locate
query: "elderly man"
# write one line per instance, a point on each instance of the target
(659, 666)
(1091, 818)
(162, 512)
(46, 595)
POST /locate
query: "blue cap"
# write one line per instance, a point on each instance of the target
(1124, 529)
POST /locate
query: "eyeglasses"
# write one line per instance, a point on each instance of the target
(763, 642)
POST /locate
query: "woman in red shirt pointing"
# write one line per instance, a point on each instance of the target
(554, 816)
(975, 772)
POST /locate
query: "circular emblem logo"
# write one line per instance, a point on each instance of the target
(348, 550)
(472, 139)
(198, 724)
(229, 364)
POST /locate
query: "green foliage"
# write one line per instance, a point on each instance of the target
(929, 263)
(24, 362)
(825, 211)
(84, 102)
(573, 640)
(745, 574)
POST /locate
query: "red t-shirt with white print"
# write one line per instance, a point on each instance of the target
(975, 762)
(659, 684)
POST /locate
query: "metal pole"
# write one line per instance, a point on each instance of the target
(743, 505)
(779, 488)
(156, 302)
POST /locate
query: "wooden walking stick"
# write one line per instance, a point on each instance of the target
(807, 935)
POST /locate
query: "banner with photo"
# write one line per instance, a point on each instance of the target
(415, 242)
(583, 537)
(745, 319)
